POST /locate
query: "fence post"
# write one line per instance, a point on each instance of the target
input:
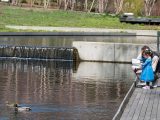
(158, 35)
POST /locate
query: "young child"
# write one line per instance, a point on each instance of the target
(147, 74)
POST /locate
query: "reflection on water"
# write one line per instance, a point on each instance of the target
(93, 92)
(104, 71)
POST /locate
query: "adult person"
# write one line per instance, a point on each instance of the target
(154, 56)
(155, 63)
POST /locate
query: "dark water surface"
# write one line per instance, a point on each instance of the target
(61, 91)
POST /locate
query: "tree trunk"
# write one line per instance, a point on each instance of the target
(46, 3)
(118, 4)
(149, 6)
(73, 4)
(105, 4)
(66, 2)
(86, 5)
(91, 6)
(59, 3)
(32, 3)
(100, 6)
(13, 2)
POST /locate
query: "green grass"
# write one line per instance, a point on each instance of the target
(18, 16)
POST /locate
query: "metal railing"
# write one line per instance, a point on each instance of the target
(158, 36)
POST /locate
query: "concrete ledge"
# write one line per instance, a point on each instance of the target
(65, 34)
(107, 52)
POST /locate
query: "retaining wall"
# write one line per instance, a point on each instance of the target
(107, 52)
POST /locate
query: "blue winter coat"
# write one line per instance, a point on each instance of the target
(147, 74)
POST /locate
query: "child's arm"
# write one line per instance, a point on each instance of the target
(146, 63)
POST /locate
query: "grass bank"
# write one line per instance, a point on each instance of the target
(10, 15)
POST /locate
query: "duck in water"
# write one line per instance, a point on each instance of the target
(20, 108)
(17, 107)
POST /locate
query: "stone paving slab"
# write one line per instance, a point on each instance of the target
(143, 105)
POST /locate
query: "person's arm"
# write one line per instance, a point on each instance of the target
(154, 63)
(139, 57)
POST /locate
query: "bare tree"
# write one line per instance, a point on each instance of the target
(15, 2)
(102, 4)
(93, 1)
(118, 4)
(149, 6)
(70, 4)
(73, 2)
(86, 5)
(32, 3)
(106, 3)
(46, 3)
(59, 3)
(65, 4)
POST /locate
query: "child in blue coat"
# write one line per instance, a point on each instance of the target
(147, 74)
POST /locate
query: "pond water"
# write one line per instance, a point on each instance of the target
(62, 90)
(56, 90)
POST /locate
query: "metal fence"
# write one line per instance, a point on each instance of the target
(158, 37)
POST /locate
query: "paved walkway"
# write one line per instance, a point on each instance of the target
(76, 29)
(143, 105)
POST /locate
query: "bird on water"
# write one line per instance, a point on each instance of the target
(18, 107)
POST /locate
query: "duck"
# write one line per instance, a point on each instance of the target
(18, 107)
(21, 108)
